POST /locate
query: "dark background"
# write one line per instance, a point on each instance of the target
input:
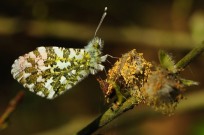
(146, 25)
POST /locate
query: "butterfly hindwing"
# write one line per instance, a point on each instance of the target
(50, 71)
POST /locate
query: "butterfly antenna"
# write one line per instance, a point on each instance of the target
(102, 18)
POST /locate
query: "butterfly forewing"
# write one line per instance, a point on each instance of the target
(50, 71)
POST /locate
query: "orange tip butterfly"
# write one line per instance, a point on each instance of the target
(50, 71)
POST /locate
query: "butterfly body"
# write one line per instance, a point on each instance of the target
(50, 71)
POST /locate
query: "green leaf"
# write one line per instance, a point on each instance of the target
(188, 82)
(167, 62)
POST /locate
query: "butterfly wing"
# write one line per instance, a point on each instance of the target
(50, 71)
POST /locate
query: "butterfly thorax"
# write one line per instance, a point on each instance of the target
(94, 48)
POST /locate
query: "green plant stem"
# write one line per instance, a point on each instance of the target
(190, 56)
(108, 116)
(111, 114)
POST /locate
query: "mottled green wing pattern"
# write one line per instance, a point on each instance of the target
(50, 71)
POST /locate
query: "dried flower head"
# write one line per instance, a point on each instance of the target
(164, 87)
(128, 74)
(162, 91)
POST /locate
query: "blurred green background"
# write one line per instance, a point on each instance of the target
(146, 25)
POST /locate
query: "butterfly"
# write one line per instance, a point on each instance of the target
(50, 71)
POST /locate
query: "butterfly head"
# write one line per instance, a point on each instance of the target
(94, 49)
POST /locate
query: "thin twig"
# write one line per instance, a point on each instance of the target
(108, 116)
(111, 114)
(190, 56)
(11, 107)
